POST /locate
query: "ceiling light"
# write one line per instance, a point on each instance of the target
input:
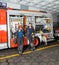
(14, 1)
(43, 3)
(23, 2)
(35, 1)
(50, 0)
(30, 4)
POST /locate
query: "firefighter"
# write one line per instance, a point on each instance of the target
(20, 39)
(30, 36)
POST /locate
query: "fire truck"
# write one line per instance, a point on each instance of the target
(9, 20)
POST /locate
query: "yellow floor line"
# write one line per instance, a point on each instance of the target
(39, 49)
(27, 52)
(9, 56)
(46, 47)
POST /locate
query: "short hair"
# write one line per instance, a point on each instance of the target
(30, 23)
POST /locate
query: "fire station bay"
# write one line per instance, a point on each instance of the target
(29, 32)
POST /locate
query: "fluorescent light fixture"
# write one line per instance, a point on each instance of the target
(57, 2)
(22, 2)
(35, 1)
(30, 4)
(14, 0)
(50, 0)
(50, 5)
(43, 3)
(26, 0)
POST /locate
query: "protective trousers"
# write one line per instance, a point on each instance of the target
(31, 42)
(20, 44)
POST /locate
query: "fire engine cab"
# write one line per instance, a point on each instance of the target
(9, 20)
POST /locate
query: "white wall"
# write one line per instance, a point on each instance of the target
(33, 8)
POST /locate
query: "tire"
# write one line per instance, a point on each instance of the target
(36, 41)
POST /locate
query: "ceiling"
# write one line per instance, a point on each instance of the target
(43, 5)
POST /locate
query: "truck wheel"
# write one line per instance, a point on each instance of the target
(36, 41)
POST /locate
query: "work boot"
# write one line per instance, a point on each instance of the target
(20, 52)
(33, 48)
(46, 43)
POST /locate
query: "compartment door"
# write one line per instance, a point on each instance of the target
(13, 27)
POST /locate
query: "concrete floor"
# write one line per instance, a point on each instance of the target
(49, 56)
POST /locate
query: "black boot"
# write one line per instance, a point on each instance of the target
(20, 52)
(33, 48)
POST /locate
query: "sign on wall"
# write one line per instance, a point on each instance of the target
(3, 5)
